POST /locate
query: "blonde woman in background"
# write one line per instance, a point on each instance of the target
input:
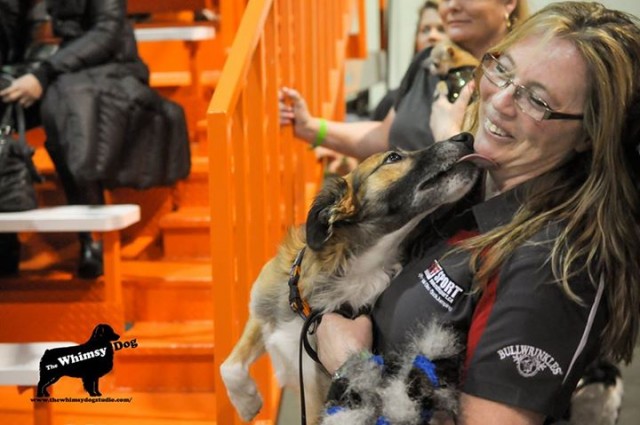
(473, 24)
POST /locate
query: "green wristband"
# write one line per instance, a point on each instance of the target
(321, 135)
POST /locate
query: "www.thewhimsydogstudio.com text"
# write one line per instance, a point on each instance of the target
(82, 399)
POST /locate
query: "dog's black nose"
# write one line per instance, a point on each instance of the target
(466, 138)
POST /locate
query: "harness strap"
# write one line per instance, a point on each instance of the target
(296, 303)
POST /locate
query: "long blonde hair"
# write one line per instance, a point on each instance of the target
(595, 197)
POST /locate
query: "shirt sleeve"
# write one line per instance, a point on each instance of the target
(529, 342)
(95, 46)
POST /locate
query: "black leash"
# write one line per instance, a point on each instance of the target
(311, 320)
(308, 328)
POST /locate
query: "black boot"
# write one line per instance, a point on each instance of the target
(9, 254)
(90, 264)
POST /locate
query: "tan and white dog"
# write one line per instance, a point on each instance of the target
(353, 236)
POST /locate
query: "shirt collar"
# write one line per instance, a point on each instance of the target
(499, 210)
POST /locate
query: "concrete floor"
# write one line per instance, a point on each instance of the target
(630, 415)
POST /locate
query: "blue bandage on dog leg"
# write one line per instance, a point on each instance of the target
(382, 421)
(428, 368)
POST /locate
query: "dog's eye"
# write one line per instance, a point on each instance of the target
(392, 157)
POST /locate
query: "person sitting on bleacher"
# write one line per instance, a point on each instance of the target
(105, 126)
(13, 15)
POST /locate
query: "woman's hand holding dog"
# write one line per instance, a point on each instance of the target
(447, 118)
(340, 337)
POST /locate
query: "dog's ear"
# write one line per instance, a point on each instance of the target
(98, 331)
(333, 203)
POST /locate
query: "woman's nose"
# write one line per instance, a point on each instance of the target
(434, 35)
(504, 100)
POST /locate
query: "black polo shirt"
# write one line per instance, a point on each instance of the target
(410, 129)
(527, 342)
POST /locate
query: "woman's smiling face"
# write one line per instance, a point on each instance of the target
(521, 146)
(476, 24)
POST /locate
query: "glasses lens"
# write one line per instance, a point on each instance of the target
(529, 103)
(494, 71)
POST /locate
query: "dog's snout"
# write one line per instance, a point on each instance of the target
(465, 138)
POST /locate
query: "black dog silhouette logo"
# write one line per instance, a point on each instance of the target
(89, 361)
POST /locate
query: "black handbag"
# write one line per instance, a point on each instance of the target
(17, 171)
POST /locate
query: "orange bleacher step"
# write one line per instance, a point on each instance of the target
(167, 291)
(186, 233)
(52, 305)
(194, 191)
(42, 161)
(170, 356)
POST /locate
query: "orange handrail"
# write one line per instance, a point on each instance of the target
(261, 179)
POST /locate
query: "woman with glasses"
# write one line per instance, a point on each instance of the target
(475, 25)
(545, 262)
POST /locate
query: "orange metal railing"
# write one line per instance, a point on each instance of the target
(261, 179)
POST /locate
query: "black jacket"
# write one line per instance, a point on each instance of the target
(13, 31)
(92, 33)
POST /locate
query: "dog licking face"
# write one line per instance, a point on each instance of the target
(346, 255)
(366, 215)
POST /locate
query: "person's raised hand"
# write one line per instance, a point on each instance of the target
(25, 90)
(340, 337)
(294, 110)
(446, 117)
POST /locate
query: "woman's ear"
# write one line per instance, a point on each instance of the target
(510, 6)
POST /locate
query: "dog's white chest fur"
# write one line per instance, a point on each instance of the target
(367, 275)
(283, 345)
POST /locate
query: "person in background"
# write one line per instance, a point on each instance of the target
(93, 33)
(474, 25)
(14, 37)
(543, 255)
(429, 31)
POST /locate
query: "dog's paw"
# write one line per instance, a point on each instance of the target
(242, 390)
(247, 405)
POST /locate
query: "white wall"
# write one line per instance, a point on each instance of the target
(403, 20)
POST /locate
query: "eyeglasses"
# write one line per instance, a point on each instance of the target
(527, 101)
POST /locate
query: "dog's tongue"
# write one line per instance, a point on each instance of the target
(480, 160)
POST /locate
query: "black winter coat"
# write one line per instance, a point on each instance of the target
(93, 32)
(13, 34)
